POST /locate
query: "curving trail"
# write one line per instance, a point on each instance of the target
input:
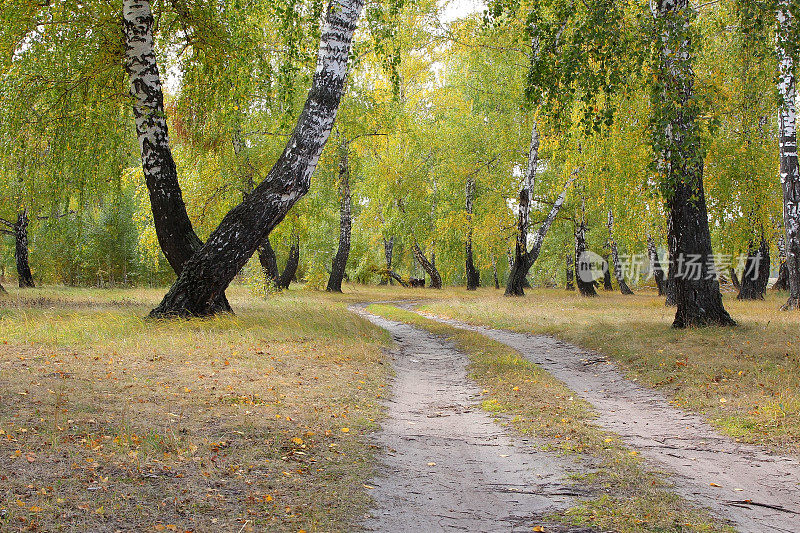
(449, 466)
(755, 490)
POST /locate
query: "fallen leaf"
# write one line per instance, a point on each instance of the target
(345, 430)
(714, 485)
(431, 464)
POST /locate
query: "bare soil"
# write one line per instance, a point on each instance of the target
(448, 465)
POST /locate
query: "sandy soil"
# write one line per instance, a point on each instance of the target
(448, 465)
(755, 490)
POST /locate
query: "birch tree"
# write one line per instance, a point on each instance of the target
(211, 269)
(789, 172)
(679, 162)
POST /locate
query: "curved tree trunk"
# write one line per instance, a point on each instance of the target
(473, 276)
(3, 289)
(428, 266)
(174, 230)
(293, 261)
(619, 272)
(21, 251)
(790, 174)
(345, 223)
(756, 272)
(583, 270)
(269, 263)
(524, 258)
(676, 142)
(735, 279)
(211, 269)
(655, 265)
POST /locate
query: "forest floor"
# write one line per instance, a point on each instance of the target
(271, 419)
(110, 422)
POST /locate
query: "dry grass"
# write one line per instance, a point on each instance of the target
(746, 380)
(625, 497)
(256, 422)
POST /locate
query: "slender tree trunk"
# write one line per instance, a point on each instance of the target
(570, 273)
(782, 283)
(293, 261)
(211, 269)
(428, 266)
(735, 279)
(619, 273)
(388, 251)
(174, 230)
(607, 284)
(756, 272)
(494, 273)
(473, 276)
(676, 141)
(345, 222)
(3, 289)
(583, 270)
(21, 251)
(658, 270)
(790, 174)
(269, 263)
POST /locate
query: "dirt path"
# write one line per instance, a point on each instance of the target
(449, 466)
(757, 491)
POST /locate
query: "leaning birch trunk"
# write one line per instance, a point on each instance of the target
(345, 222)
(269, 264)
(292, 262)
(21, 251)
(619, 273)
(524, 258)
(428, 266)
(211, 269)
(174, 230)
(790, 174)
(473, 276)
(677, 145)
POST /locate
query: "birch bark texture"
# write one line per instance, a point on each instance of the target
(676, 143)
(345, 221)
(619, 273)
(211, 269)
(174, 230)
(790, 174)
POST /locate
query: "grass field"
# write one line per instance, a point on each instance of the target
(259, 421)
(746, 380)
(248, 423)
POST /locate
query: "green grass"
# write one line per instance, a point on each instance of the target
(534, 403)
